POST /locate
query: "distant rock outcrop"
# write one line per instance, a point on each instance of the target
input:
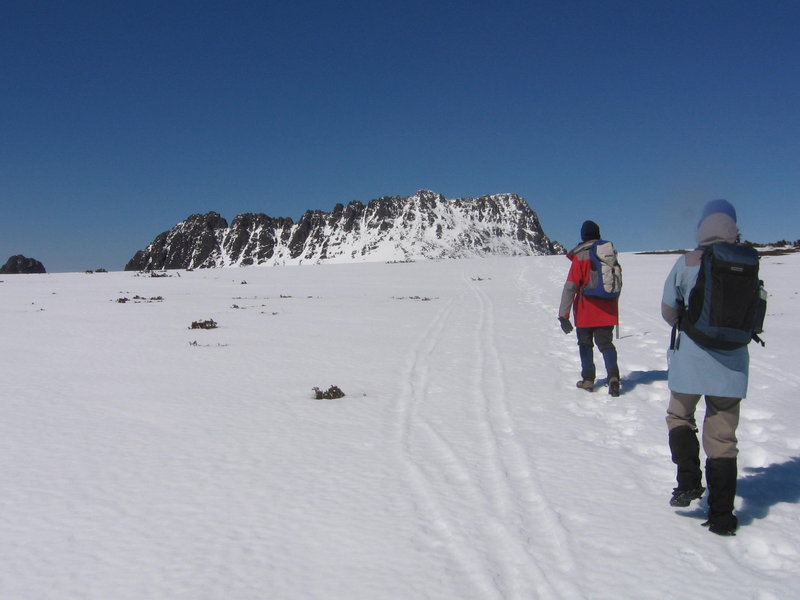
(422, 226)
(191, 243)
(21, 264)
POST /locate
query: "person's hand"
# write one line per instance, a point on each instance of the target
(566, 326)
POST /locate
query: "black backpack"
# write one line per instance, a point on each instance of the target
(728, 303)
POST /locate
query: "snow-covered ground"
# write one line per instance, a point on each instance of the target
(142, 459)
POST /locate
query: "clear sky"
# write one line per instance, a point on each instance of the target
(120, 119)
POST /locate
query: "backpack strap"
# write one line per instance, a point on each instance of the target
(674, 341)
(673, 338)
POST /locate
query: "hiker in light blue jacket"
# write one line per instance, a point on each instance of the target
(695, 371)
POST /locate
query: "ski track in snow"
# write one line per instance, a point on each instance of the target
(522, 532)
(517, 485)
(442, 528)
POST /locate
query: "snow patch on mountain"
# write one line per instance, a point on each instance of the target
(423, 226)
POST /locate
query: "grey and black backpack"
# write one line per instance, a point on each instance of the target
(728, 303)
(605, 279)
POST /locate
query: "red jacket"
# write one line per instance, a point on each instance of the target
(589, 312)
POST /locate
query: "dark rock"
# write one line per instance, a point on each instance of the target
(191, 243)
(21, 265)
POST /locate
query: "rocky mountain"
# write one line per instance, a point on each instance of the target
(422, 226)
(21, 264)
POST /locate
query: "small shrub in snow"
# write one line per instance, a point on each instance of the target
(195, 344)
(419, 298)
(137, 299)
(331, 393)
(207, 324)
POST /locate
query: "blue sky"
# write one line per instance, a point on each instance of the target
(119, 119)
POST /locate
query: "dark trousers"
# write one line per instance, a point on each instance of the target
(602, 336)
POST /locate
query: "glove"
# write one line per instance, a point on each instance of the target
(566, 326)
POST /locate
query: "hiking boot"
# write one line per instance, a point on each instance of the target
(725, 529)
(586, 384)
(683, 498)
(613, 386)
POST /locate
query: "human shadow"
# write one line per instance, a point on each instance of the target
(634, 378)
(768, 486)
(764, 487)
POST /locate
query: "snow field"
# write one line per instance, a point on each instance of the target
(143, 459)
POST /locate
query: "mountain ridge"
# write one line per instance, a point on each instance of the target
(425, 225)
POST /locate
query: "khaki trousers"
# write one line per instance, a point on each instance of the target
(719, 424)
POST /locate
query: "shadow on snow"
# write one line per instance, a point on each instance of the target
(764, 487)
(761, 488)
(635, 378)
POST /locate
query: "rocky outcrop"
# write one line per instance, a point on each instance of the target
(191, 243)
(422, 226)
(21, 264)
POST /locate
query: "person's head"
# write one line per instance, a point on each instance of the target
(590, 231)
(717, 223)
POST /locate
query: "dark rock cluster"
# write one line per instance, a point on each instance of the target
(20, 264)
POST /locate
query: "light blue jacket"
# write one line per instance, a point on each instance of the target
(692, 368)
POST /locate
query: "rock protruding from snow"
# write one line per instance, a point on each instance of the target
(21, 265)
(191, 243)
(423, 226)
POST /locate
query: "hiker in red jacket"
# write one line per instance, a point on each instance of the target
(595, 318)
